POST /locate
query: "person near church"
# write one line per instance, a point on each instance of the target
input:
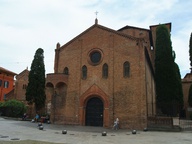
(36, 117)
(24, 116)
(116, 124)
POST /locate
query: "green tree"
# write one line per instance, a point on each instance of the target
(190, 51)
(190, 58)
(13, 108)
(167, 75)
(35, 92)
(178, 89)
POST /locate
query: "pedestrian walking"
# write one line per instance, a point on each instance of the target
(116, 124)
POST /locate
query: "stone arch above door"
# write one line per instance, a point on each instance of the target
(94, 90)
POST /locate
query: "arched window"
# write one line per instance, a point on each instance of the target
(126, 69)
(66, 71)
(105, 71)
(84, 72)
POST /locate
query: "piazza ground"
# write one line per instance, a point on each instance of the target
(19, 132)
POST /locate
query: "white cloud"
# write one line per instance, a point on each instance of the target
(26, 25)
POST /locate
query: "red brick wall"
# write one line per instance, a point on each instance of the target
(21, 85)
(124, 98)
(186, 83)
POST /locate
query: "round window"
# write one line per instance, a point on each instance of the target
(95, 57)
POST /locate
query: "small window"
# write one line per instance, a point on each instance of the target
(0, 83)
(66, 71)
(24, 86)
(84, 72)
(105, 70)
(6, 84)
(126, 69)
(4, 96)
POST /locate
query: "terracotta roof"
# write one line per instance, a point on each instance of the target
(7, 71)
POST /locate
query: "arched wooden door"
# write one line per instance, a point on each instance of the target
(94, 112)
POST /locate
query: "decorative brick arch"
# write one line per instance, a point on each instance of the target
(94, 91)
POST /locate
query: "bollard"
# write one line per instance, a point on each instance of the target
(41, 127)
(39, 124)
(134, 131)
(145, 129)
(104, 133)
(64, 131)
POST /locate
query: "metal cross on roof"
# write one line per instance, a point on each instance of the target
(96, 13)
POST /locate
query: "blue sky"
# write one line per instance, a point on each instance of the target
(26, 25)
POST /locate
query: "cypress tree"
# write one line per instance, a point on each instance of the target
(35, 92)
(190, 58)
(178, 90)
(190, 51)
(167, 74)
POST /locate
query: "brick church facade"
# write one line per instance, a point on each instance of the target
(102, 74)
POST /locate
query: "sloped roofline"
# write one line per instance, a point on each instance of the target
(25, 70)
(103, 28)
(7, 71)
(188, 74)
(128, 27)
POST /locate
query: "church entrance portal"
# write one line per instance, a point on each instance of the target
(94, 112)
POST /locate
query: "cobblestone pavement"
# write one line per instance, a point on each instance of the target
(14, 130)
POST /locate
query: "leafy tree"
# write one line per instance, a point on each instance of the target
(190, 51)
(167, 75)
(35, 92)
(13, 108)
